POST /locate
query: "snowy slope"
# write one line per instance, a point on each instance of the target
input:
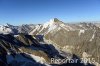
(50, 26)
(53, 25)
(10, 29)
(4, 29)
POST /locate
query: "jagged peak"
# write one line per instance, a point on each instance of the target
(7, 24)
(55, 20)
(52, 22)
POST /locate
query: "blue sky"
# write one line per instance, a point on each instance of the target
(18, 12)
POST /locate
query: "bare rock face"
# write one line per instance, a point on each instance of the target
(75, 38)
(28, 50)
(28, 45)
(25, 50)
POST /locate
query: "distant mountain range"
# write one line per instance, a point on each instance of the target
(53, 24)
(35, 45)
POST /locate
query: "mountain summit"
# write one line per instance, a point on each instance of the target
(55, 20)
(52, 22)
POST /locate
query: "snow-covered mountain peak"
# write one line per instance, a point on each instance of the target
(55, 20)
(7, 24)
(4, 29)
(52, 22)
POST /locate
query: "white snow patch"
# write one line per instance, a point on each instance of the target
(80, 25)
(37, 58)
(92, 36)
(37, 27)
(5, 29)
(51, 25)
(52, 28)
(58, 28)
(66, 27)
(62, 25)
(16, 35)
(8, 53)
(81, 31)
(48, 24)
